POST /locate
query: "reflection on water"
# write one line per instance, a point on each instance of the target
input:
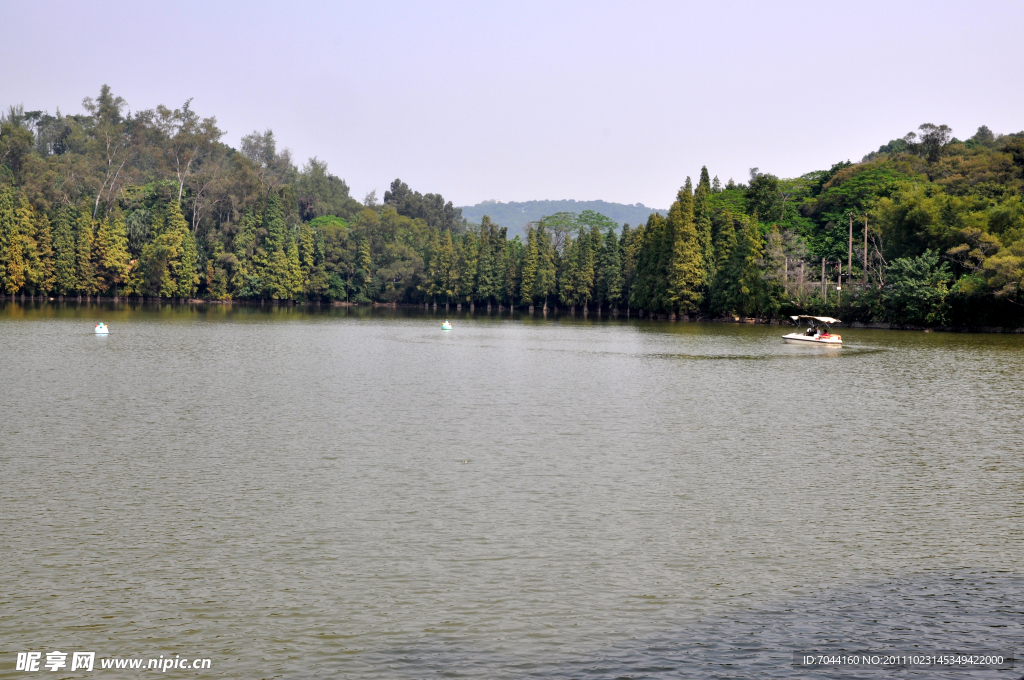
(306, 493)
(926, 614)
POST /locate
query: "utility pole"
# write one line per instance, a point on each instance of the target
(849, 252)
(839, 282)
(824, 290)
(865, 251)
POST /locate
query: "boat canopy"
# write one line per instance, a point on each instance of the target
(822, 319)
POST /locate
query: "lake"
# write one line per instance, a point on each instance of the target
(298, 493)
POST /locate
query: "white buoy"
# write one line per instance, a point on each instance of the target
(101, 328)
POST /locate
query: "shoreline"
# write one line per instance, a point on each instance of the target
(471, 309)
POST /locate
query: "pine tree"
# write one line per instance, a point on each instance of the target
(65, 270)
(112, 249)
(487, 271)
(702, 214)
(570, 278)
(649, 289)
(274, 224)
(276, 268)
(245, 280)
(467, 249)
(725, 244)
(188, 267)
(184, 259)
(296, 281)
(448, 266)
(531, 262)
(27, 218)
(629, 249)
(744, 290)
(45, 278)
(85, 265)
(687, 275)
(547, 268)
(610, 282)
(12, 254)
(512, 260)
(306, 252)
(590, 247)
(431, 285)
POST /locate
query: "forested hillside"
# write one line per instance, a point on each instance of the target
(928, 230)
(516, 215)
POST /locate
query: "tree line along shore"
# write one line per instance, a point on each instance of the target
(928, 230)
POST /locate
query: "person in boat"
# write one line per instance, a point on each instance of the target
(810, 331)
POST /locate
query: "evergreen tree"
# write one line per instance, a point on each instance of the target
(448, 264)
(245, 279)
(590, 248)
(45, 278)
(531, 263)
(364, 271)
(725, 244)
(570, 279)
(296, 284)
(547, 268)
(26, 216)
(112, 253)
(687, 274)
(629, 250)
(609, 284)
(306, 243)
(65, 270)
(12, 255)
(276, 263)
(512, 259)
(188, 268)
(744, 284)
(467, 254)
(319, 278)
(702, 214)
(649, 290)
(183, 264)
(431, 285)
(488, 283)
(160, 263)
(84, 263)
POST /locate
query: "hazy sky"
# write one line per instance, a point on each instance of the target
(546, 100)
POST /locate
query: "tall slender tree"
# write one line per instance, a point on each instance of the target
(65, 270)
(45, 278)
(610, 283)
(649, 289)
(112, 253)
(84, 262)
(531, 263)
(687, 274)
(702, 219)
(12, 255)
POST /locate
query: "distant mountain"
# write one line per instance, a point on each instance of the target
(516, 216)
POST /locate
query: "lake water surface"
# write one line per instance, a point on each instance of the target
(301, 494)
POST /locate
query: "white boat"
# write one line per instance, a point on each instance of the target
(101, 328)
(446, 326)
(818, 334)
